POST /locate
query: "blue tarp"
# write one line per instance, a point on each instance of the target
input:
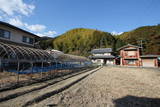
(46, 69)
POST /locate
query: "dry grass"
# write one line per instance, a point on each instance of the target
(7, 78)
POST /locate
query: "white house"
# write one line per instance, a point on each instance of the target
(13, 35)
(102, 56)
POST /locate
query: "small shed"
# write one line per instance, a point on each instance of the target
(149, 60)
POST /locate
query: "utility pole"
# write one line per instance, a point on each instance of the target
(141, 45)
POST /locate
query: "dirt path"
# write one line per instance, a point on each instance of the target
(111, 87)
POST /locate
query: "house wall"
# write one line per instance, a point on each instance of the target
(107, 53)
(149, 62)
(131, 57)
(125, 53)
(131, 62)
(110, 61)
(128, 55)
(98, 61)
(16, 35)
(102, 54)
(106, 61)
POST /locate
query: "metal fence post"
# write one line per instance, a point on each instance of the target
(0, 64)
(18, 71)
(41, 70)
(31, 69)
(50, 64)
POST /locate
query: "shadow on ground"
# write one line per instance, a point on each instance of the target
(134, 101)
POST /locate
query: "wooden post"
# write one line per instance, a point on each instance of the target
(121, 61)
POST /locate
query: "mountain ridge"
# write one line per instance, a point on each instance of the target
(81, 41)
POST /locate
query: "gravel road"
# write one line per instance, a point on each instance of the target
(111, 87)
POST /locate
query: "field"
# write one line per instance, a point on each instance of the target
(112, 87)
(9, 79)
(27, 94)
(106, 87)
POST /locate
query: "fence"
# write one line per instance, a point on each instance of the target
(27, 65)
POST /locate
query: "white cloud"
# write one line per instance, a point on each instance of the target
(36, 27)
(116, 33)
(16, 22)
(12, 11)
(10, 7)
(49, 34)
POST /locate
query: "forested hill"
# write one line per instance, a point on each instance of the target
(80, 41)
(149, 35)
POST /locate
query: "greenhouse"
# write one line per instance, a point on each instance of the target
(24, 60)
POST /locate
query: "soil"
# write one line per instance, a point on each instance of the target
(111, 87)
(22, 97)
(8, 78)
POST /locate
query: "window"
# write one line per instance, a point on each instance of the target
(24, 39)
(131, 61)
(27, 40)
(4, 34)
(31, 40)
(131, 53)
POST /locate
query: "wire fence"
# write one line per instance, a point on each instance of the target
(27, 65)
(13, 78)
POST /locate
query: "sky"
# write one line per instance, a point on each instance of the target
(55, 17)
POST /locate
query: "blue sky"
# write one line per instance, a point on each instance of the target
(54, 17)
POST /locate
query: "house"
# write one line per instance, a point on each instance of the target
(13, 35)
(130, 55)
(102, 56)
(17, 44)
(149, 60)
